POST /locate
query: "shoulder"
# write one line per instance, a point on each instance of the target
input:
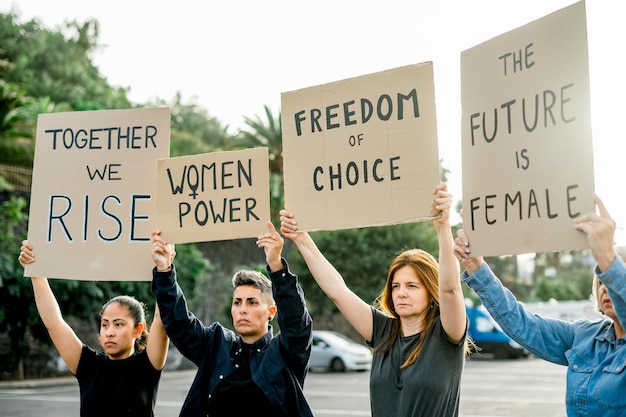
(89, 360)
(91, 355)
(591, 328)
(382, 324)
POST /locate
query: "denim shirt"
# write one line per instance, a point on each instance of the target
(596, 362)
(279, 364)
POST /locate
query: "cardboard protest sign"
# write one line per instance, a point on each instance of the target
(362, 151)
(527, 149)
(214, 196)
(93, 197)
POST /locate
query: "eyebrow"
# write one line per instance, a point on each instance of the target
(247, 299)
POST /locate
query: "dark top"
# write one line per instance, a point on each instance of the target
(125, 387)
(430, 387)
(240, 385)
(278, 364)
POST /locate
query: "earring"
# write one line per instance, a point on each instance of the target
(432, 305)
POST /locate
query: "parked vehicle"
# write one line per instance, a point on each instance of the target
(338, 353)
(489, 337)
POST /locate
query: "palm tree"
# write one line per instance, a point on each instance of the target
(268, 134)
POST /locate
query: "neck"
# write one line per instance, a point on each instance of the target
(411, 325)
(619, 330)
(250, 339)
(122, 356)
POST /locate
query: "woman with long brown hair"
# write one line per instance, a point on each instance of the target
(417, 327)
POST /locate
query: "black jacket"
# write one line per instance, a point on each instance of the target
(278, 363)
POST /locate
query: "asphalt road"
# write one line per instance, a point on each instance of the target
(521, 388)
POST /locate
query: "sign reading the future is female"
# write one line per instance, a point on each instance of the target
(526, 137)
(361, 151)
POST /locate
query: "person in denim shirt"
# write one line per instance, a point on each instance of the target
(593, 351)
(253, 374)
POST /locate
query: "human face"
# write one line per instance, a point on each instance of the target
(118, 332)
(410, 296)
(251, 312)
(605, 302)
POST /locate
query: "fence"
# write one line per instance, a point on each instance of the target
(18, 177)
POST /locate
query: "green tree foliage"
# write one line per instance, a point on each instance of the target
(17, 125)
(563, 276)
(57, 64)
(16, 305)
(208, 291)
(193, 131)
(506, 267)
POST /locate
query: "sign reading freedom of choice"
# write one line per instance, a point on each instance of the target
(362, 151)
(526, 131)
(93, 198)
(214, 196)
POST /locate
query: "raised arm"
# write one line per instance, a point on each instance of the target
(158, 342)
(600, 230)
(546, 338)
(354, 309)
(293, 317)
(62, 335)
(187, 332)
(451, 300)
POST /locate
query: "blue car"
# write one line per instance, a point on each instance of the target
(489, 337)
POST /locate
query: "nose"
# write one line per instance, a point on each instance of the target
(241, 310)
(401, 291)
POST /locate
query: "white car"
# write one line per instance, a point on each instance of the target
(336, 352)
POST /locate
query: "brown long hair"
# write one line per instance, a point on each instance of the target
(427, 270)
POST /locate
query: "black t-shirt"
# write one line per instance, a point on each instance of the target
(239, 392)
(126, 387)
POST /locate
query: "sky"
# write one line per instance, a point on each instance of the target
(235, 57)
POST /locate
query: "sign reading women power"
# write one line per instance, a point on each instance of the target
(527, 149)
(362, 151)
(214, 196)
(93, 198)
